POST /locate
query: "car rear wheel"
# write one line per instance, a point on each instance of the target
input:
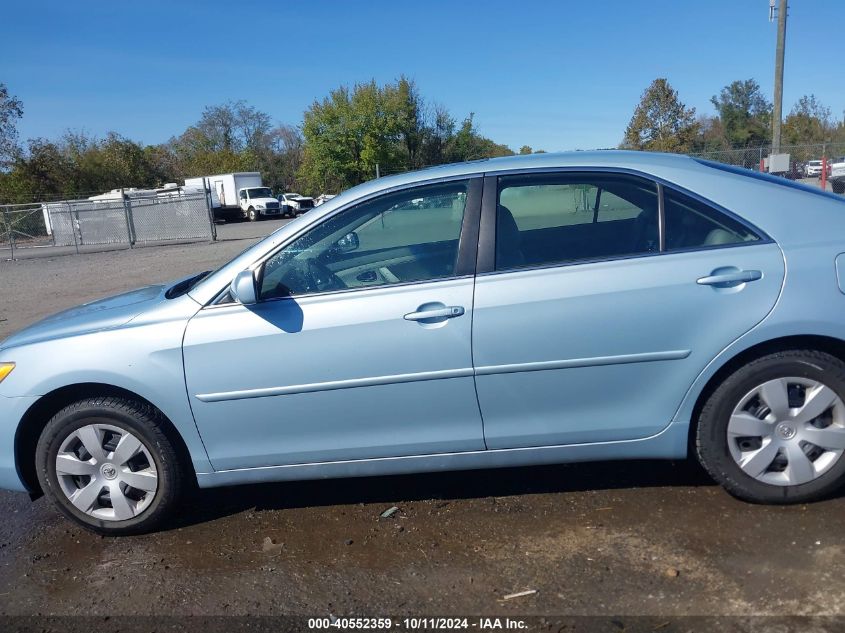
(774, 430)
(107, 464)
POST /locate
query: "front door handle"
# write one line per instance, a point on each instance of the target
(731, 278)
(446, 312)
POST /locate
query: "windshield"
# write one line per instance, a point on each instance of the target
(260, 192)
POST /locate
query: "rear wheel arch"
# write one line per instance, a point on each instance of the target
(833, 346)
(39, 414)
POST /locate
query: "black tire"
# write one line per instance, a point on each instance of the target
(251, 214)
(711, 432)
(838, 187)
(141, 420)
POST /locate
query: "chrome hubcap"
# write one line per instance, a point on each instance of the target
(787, 431)
(106, 472)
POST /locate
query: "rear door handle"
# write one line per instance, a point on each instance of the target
(446, 312)
(730, 278)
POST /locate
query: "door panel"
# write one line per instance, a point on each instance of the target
(334, 377)
(606, 350)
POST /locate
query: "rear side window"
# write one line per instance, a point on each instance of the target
(693, 224)
(555, 218)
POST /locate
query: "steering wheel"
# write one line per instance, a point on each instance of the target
(319, 278)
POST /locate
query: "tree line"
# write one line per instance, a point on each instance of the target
(358, 131)
(343, 140)
(742, 119)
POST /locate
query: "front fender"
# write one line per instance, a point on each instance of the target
(143, 357)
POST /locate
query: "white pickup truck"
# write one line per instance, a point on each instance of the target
(837, 174)
(293, 204)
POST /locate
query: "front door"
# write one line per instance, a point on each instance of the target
(359, 346)
(592, 325)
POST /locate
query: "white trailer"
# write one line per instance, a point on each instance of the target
(235, 195)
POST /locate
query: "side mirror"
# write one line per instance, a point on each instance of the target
(243, 288)
(348, 243)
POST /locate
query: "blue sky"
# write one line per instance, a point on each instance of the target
(554, 75)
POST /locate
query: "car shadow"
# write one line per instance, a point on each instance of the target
(284, 314)
(214, 503)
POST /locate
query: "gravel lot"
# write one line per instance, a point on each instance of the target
(609, 539)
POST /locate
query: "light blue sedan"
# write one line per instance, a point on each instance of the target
(526, 310)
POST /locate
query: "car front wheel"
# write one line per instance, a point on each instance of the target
(774, 430)
(107, 464)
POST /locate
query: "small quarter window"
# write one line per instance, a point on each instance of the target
(693, 224)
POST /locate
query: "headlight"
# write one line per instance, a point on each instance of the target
(259, 206)
(5, 370)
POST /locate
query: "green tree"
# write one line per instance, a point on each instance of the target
(44, 173)
(711, 135)
(405, 101)
(661, 122)
(232, 136)
(808, 122)
(468, 144)
(11, 109)
(78, 166)
(744, 112)
(287, 148)
(351, 131)
(438, 132)
(346, 135)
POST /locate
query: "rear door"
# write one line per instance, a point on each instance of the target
(590, 323)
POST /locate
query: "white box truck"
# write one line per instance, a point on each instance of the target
(237, 196)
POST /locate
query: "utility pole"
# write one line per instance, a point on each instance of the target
(777, 114)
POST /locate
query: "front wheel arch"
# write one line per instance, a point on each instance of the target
(37, 416)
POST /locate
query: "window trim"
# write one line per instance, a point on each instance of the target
(487, 235)
(661, 220)
(467, 240)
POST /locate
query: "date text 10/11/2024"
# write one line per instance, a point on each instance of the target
(418, 624)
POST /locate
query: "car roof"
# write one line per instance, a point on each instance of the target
(770, 203)
(625, 159)
(656, 164)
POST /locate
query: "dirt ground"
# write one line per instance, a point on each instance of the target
(607, 539)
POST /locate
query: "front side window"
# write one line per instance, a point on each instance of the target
(408, 236)
(693, 224)
(557, 218)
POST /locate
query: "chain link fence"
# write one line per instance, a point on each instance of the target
(799, 156)
(78, 225)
